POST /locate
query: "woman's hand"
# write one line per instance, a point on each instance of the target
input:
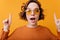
(57, 22)
(7, 23)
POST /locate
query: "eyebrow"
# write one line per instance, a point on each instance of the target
(34, 9)
(28, 8)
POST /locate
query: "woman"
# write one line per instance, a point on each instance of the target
(31, 12)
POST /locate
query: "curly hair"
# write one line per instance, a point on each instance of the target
(22, 14)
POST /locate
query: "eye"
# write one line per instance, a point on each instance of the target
(36, 11)
(28, 12)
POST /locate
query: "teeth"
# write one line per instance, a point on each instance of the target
(32, 18)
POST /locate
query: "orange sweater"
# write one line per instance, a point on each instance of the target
(25, 33)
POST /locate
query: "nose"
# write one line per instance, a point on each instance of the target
(32, 14)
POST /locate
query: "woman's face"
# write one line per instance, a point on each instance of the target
(32, 13)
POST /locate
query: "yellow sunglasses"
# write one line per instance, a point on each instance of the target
(36, 11)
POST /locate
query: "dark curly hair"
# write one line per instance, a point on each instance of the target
(22, 14)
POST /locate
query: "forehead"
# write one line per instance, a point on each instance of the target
(33, 6)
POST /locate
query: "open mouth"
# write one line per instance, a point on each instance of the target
(32, 18)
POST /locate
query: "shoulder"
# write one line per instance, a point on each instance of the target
(44, 28)
(19, 28)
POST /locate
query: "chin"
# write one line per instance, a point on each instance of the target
(33, 23)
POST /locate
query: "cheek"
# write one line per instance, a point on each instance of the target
(37, 17)
(27, 17)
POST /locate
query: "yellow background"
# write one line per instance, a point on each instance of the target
(14, 7)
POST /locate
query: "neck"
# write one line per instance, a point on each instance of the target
(31, 26)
